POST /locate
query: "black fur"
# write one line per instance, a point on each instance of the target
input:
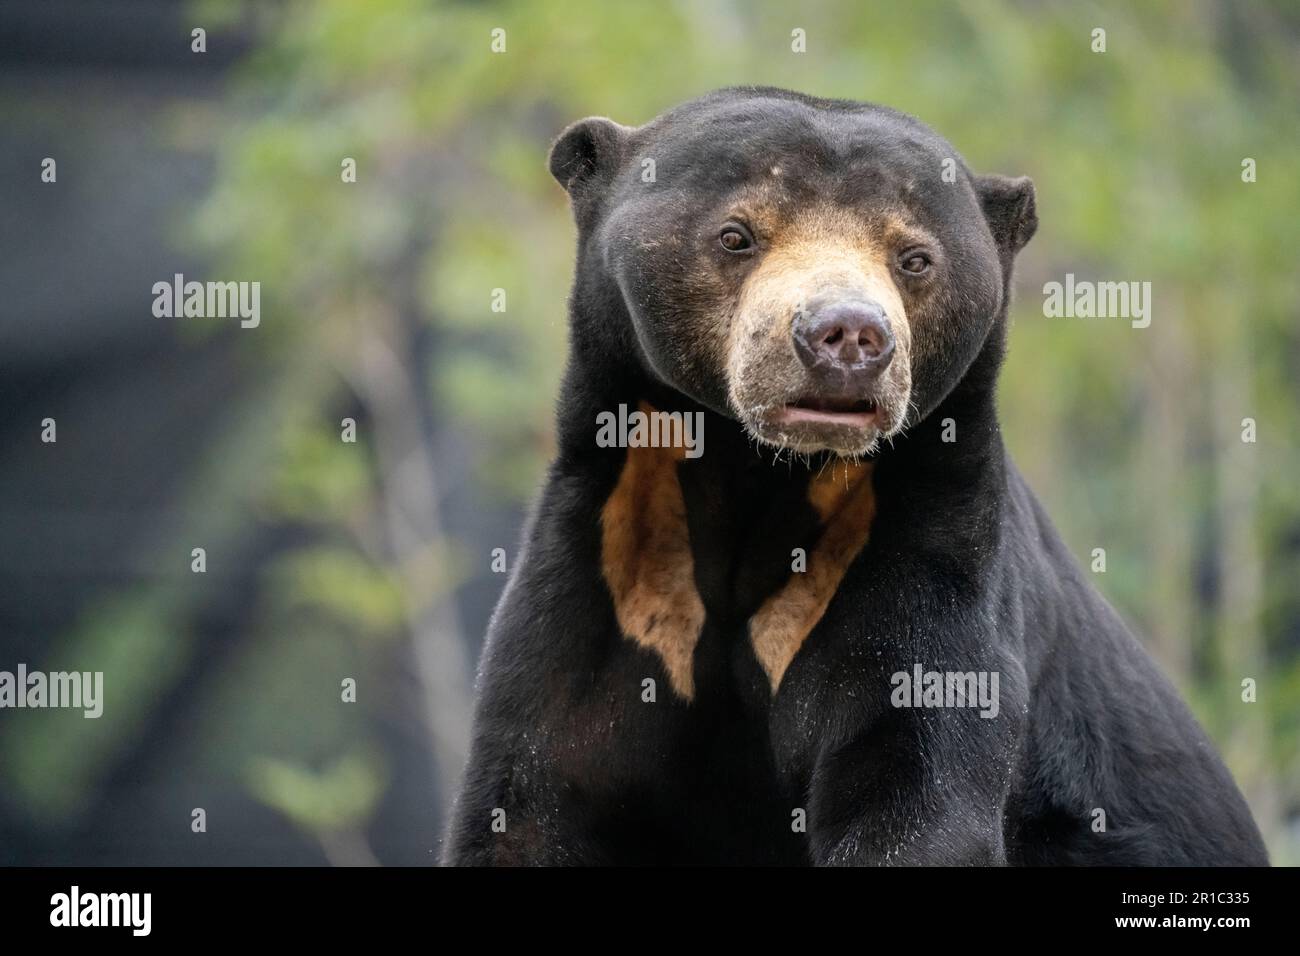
(963, 571)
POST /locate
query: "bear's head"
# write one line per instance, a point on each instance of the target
(824, 272)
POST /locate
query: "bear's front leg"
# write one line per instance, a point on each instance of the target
(511, 814)
(924, 788)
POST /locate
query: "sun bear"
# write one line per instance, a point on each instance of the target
(844, 632)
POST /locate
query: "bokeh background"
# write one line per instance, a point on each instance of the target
(372, 560)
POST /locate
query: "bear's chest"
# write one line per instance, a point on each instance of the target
(724, 581)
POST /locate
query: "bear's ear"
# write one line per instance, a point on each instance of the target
(588, 147)
(1009, 208)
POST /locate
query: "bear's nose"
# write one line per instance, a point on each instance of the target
(847, 339)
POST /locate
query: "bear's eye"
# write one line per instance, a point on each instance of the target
(735, 237)
(914, 263)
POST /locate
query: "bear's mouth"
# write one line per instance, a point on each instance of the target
(819, 410)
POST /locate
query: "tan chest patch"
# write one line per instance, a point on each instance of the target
(842, 496)
(647, 563)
